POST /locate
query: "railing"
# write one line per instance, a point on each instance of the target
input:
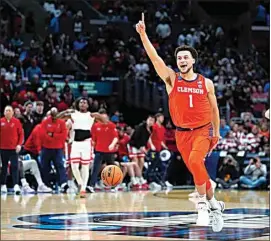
(18, 12)
(140, 93)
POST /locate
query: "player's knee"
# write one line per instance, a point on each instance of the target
(194, 164)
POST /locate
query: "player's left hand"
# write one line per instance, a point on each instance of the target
(214, 142)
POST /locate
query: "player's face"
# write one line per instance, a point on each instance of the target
(83, 105)
(185, 61)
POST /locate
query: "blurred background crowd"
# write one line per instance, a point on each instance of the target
(47, 46)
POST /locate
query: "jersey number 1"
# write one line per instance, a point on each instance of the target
(190, 101)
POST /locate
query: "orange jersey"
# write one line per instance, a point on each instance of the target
(189, 106)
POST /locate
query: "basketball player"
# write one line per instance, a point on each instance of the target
(193, 109)
(81, 148)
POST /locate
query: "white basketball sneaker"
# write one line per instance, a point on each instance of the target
(203, 214)
(17, 189)
(4, 189)
(217, 219)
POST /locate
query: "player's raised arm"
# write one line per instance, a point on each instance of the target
(66, 114)
(165, 73)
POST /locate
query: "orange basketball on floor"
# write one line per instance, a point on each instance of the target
(112, 175)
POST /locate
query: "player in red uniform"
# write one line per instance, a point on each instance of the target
(193, 109)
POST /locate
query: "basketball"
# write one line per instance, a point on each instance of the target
(112, 175)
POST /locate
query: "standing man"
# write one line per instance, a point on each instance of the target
(28, 119)
(11, 140)
(39, 112)
(105, 139)
(157, 144)
(194, 112)
(53, 135)
(137, 145)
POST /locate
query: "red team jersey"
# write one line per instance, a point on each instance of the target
(103, 135)
(158, 136)
(189, 106)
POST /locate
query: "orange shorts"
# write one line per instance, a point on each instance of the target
(194, 146)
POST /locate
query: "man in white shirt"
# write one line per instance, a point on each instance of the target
(11, 74)
(163, 29)
(254, 174)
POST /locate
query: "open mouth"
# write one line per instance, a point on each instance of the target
(183, 66)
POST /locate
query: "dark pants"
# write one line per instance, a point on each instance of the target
(99, 159)
(55, 155)
(12, 156)
(228, 184)
(154, 170)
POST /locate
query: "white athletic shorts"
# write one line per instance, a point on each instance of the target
(81, 152)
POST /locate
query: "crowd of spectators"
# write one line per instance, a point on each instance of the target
(122, 11)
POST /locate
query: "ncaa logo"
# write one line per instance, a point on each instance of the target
(239, 224)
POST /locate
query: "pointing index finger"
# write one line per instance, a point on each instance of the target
(143, 17)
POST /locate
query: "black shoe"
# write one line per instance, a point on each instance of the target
(64, 187)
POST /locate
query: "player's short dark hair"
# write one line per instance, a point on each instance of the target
(193, 51)
(77, 101)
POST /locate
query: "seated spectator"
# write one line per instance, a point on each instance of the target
(163, 29)
(11, 74)
(229, 143)
(254, 174)
(224, 128)
(253, 139)
(16, 41)
(32, 70)
(32, 145)
(126, 165)
(228, 173)
(115, 117)
(259, 100)
(26, 164)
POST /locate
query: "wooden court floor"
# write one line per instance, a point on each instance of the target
(131, 216)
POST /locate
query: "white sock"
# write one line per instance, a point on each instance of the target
(133, 180)
(24, 182)
(76, 173)
(213, 203)
(85, 176)
(142, 180)
(202, 198)
(39, 181)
